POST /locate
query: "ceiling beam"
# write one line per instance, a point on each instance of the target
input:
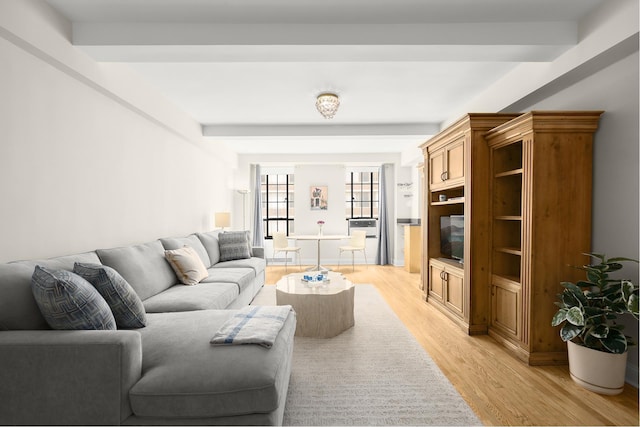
(248, 130)
(196, 42)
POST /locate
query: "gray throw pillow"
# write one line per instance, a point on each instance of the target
(248, 233)
(67, 301)
(233, 245)
(125, 304)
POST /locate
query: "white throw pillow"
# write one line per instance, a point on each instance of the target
(187, 265)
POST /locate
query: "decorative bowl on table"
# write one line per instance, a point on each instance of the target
(313, 280)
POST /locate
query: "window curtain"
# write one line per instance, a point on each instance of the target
(383, 257)
(256, 225)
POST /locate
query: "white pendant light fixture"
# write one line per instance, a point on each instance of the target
(327, 104)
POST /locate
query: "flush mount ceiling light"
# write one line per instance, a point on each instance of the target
(327, 104)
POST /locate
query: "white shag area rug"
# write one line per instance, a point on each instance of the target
(375, 373)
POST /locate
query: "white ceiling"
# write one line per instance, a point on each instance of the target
(249, 70)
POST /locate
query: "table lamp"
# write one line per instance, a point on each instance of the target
(223, 219)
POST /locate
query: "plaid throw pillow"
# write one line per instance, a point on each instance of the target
(125, 304)
(233, 245)
(67, 301)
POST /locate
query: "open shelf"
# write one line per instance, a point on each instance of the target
(507, 264)
(452, 262)
(509, 218)
(505, 280)
(454, 201)
(512, 251)
(453, 196)
(509, 173)
(507, 158)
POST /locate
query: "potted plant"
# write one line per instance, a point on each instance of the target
(588, 311)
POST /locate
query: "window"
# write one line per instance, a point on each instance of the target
(277, 203)
(361, 194)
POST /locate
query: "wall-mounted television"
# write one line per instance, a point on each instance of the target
(452, 236)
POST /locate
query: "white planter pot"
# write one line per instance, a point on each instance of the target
(595, 370)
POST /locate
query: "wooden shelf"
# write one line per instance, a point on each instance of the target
(456, 201)
(452, 262)
(508, 218)
(509, 173)
(506, 280)
(534, 237)
(512, 251)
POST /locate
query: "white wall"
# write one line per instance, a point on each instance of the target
(89, 156)
(316, 169)
(616, 178)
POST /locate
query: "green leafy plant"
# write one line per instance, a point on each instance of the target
(589, 308)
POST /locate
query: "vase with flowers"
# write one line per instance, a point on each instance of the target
(320, 224)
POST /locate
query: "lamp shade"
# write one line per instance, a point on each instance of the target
(223, 219)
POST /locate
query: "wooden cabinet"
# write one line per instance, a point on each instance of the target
(412, 248)
(446, 284)
(456, 163)
(446, 165)
(422, 202)
(541, 169)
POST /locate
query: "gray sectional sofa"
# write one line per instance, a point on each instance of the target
(166, 373)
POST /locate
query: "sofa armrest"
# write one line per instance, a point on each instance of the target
(258, 252)
(68, 377)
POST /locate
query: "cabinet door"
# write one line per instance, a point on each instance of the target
(436, 281)
(446, 166)
(436, 168)
(506, 308)
(454, 285)
(454, 162)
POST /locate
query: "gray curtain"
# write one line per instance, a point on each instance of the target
(256, 225)
(383, 257)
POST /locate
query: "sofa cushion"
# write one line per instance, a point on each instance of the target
(67, 301)
(242, 277)
(208, 381)
(233, 245)
(192, 241)
(18, 308)
(210, 242)
(257, 264)
(125, 304)
(143, 266)
(187, 265)
(205, 296)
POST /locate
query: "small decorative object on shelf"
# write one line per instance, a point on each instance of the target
(320, 224)
(315, 280)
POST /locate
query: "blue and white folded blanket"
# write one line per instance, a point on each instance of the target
(253, 325)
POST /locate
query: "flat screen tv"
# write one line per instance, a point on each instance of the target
(452, 236)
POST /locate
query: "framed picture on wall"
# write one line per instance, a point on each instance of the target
(319, 195)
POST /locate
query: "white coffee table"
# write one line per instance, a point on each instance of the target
(322, 310)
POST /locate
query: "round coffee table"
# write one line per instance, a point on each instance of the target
(323, 310)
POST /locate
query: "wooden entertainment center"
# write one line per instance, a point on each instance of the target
(523, 184)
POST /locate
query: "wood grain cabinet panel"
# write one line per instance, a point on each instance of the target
(456, 163)
(523, 184)
(541, 172)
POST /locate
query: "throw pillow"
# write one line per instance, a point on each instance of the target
(249, 244)
(187, 265)
(125, 304)
(67, 301)
(233, 245)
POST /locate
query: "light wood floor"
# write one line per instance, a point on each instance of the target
(498, 387)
